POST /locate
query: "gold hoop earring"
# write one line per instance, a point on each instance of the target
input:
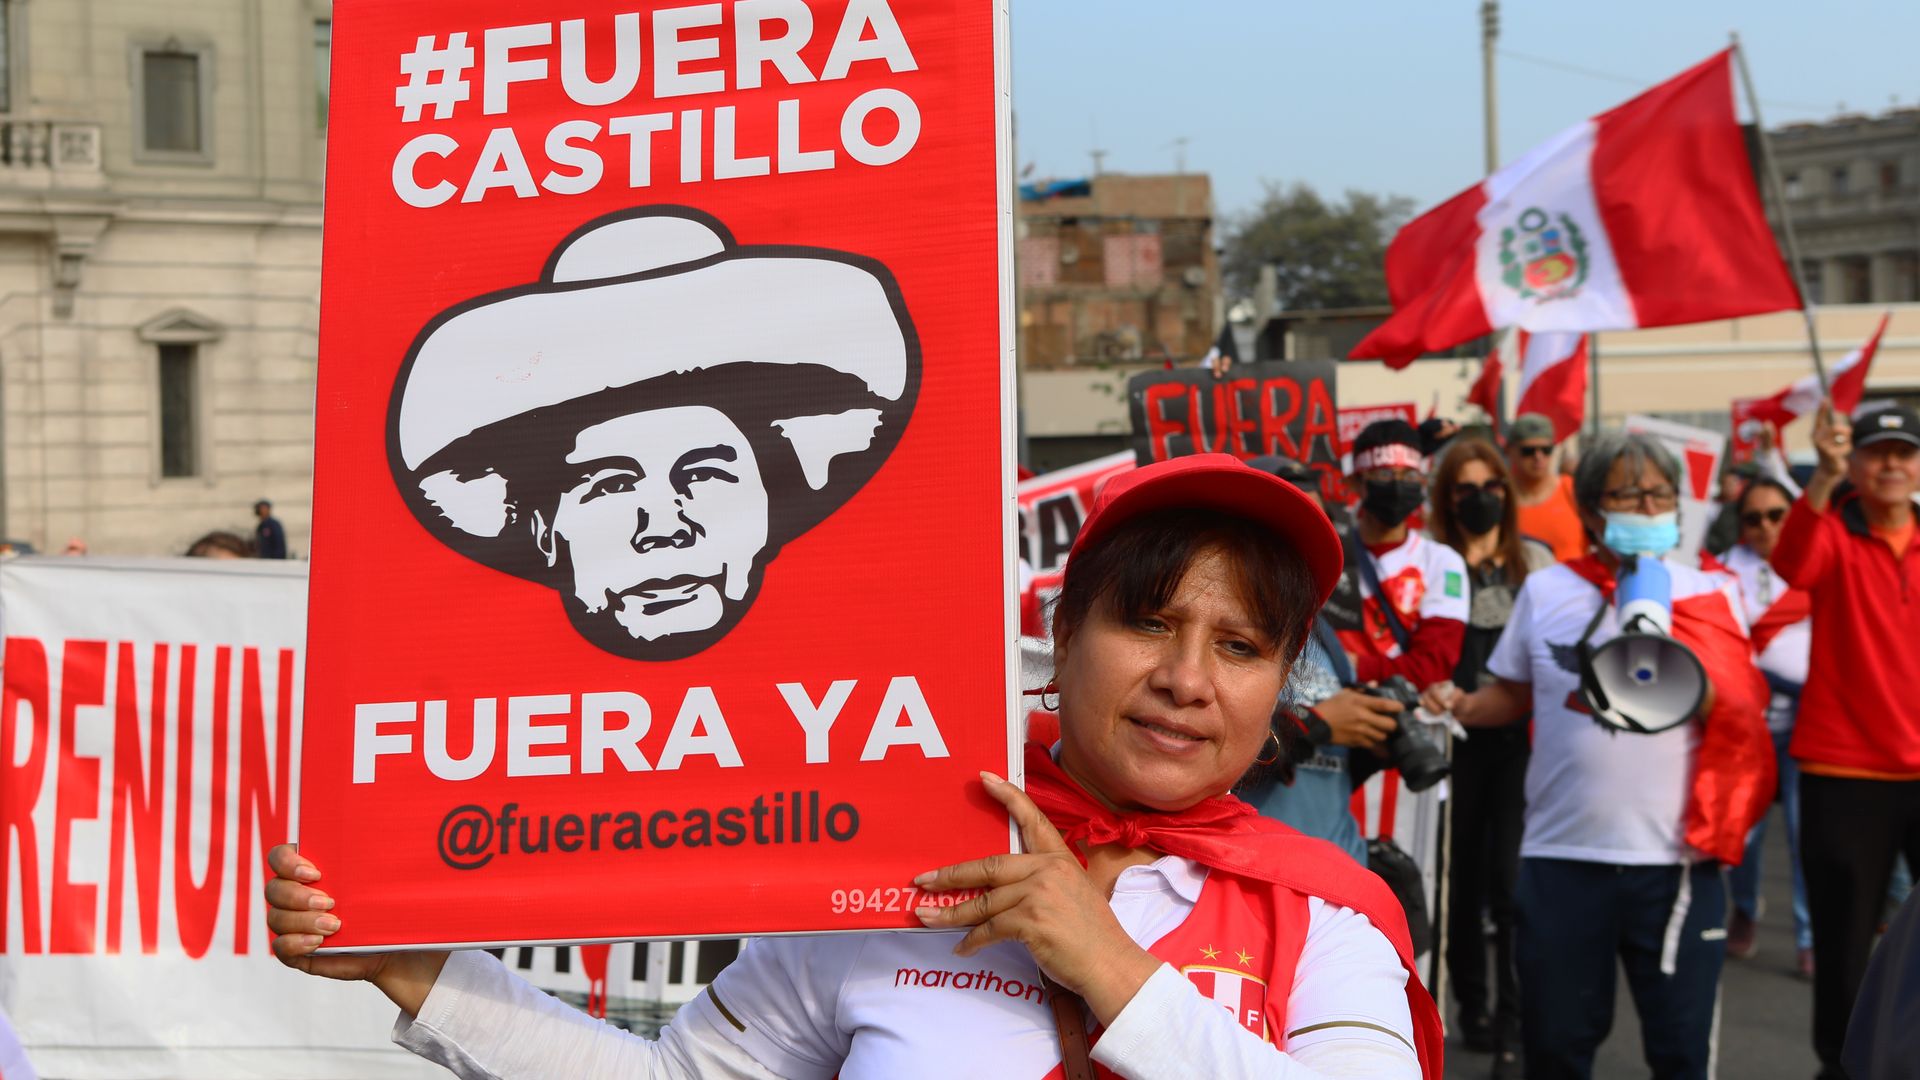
(1279, 749)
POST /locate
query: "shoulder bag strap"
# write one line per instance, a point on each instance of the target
(1370, 573)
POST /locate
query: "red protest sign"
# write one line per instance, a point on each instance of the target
(1353, 421)
(661, 582)
(1748, 428)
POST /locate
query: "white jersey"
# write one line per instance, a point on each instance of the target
(1423, 580)
(1593, 793)
(871, 1005)
(1761, 587)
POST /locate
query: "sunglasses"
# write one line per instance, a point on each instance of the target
(1534, 451)
(1752, 518)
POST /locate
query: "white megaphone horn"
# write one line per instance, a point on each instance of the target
(1643, 681)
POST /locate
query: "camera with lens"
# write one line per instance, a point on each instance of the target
(1410, 749)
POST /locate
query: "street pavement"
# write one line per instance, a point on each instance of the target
(1765, 1010)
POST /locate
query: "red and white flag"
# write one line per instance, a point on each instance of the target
(1846, 382)
(1553, 379)
(1485, 391)
(1645, 215)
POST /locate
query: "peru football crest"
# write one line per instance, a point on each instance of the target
(1238, 992)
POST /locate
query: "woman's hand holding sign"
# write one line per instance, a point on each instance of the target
(1047, 902)
(302, 919)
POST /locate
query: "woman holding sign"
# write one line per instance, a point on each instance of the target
(1156, 926)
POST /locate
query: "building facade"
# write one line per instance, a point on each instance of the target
(1853, 186)
(160, 183)
(1117, 273)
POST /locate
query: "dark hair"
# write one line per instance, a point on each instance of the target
(1446, 528)
(221, 540)
(1135, 569)
(1758, 483)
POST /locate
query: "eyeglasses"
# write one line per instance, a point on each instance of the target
(1462, 489)
(1389, 475)
(1752, 518)
(1534, 451)
(1662, 498)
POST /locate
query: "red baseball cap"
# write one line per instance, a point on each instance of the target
(1224, 483)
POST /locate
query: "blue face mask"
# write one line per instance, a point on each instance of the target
(1642, 534)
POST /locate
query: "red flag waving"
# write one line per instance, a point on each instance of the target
(1645, 215)
(1485, 391)
(1846, 383)
(1553, 380)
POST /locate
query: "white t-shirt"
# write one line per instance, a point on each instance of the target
(869, 1005)
(1593, 793)
(1761, 587)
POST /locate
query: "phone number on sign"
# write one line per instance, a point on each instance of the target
(856, 901)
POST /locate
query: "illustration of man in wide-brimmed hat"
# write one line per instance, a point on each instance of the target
(644, 427)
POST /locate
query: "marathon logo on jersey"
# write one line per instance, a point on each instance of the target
(1238, 992)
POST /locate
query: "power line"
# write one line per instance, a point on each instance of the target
(1628, 80)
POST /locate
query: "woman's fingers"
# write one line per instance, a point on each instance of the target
(1040, 835)
(987, 873)
(974, 911)
(287, 862)
(293, 896)
(302, 922)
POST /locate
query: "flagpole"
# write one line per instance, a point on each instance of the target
(1786, 217)
(1593, 383)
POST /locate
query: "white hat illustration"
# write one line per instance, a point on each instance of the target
(810, 351)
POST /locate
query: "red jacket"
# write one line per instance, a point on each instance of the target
(1861, 705)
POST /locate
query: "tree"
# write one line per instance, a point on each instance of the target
(1324, 254)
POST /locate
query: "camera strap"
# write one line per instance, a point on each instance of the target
(1370, 573)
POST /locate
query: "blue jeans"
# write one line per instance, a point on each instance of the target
(1743, 881)
(1580, 923)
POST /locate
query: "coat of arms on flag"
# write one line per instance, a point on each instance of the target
(1543, 256)
(1239, 992)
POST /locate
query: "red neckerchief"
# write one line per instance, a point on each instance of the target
(1593, 572)
(1223, 833)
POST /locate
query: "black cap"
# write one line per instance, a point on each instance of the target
(1297, 473)
(1892, 423)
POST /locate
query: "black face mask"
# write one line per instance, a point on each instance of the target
(1479, 512)
(1391, 502)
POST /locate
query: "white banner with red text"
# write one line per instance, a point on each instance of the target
(145, 749)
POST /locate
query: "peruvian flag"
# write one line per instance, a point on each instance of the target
(1846, 382)
(1645, 215)
(1553, 380)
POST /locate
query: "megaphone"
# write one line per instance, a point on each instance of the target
(1643, 681)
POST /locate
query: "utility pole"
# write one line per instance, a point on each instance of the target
(1489, 34)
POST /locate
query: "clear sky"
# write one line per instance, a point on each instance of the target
(1385, 96)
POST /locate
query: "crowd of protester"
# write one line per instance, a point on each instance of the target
(1481, 569)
